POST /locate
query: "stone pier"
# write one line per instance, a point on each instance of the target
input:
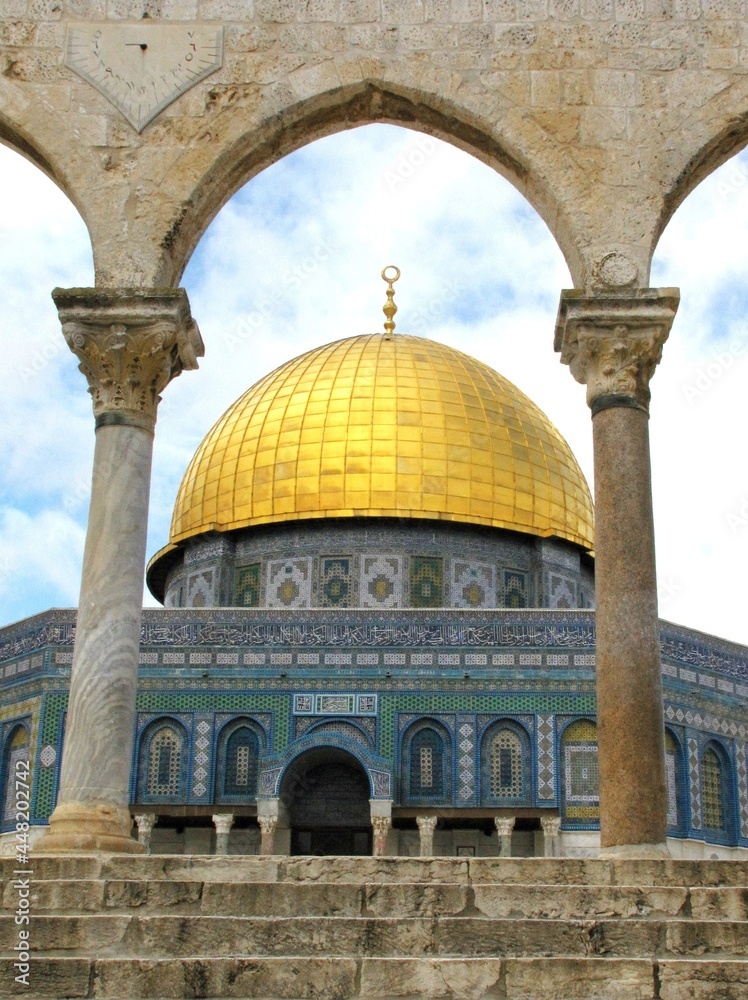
(131, 343)
(613, 343)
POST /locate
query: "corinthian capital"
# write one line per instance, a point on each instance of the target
(614, 343)
(130, 343)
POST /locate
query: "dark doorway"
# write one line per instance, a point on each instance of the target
(327, 792)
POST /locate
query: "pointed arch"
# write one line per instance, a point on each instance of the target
(162, 772)
(426, 763)
(15, 752)
(240, 747)
(246, 152)
(505, 764)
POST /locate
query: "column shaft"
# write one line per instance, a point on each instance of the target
(629, 684)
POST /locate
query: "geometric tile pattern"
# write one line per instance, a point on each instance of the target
(289, 583)
(465, 758)
(201, 765)
(546, 758)
(514, 590)
(48, 755)
(200, 590)
(741, 767)
(562, 593)
(472, 585)
(694, 782)
(247, 586)
(382, 582)
(426, 582)
(336, 583)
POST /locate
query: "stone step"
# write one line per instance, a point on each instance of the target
(390, 978)
(474, 937)
(406, 899)
(523, 871)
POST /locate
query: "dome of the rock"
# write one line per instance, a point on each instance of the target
(385, 427)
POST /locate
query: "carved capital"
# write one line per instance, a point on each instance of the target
(145, 823)
(426, 825)
(267, 824)
(504, 825)
(551, 825)
(613, 344)
(130, 343)
(223, 822)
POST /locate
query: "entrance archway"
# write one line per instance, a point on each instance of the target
(327, 791)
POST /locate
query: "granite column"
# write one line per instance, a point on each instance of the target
(131, 343)
(613, 343)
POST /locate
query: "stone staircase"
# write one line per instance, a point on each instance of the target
(333, 928)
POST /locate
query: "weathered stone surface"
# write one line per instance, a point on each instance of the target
(552, 901)
(590, 979)
(447, 978)
(282, 899)
(703, 980)
(415, 900)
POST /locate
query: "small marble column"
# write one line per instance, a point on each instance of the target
(145, 823)
(613, 343)
(504, 826)
(380, 811)
(268, 825)
(551, 829)
(426, 827)
(131, 343)
(223, 823)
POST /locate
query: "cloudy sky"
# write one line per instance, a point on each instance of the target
(293, 262)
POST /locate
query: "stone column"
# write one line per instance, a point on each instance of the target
(145, 823)
(551, 829)
(504, 826)
(131, 343)
(268, 826)
(381, 821)
(613, 343)
(426, 827)
(223, 823)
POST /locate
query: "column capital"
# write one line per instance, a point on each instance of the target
(613, 343)
(223, 822)
(145, 822)
(504, 825)
(267, 824)
(551, 825)
(131, 342)
(426, 824)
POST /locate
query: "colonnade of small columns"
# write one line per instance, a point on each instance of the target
(381, 827)
(132, 342)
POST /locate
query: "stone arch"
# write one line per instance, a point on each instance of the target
(326, 790)
(248, 151)
(506, 774)
(162, 761)
(60, 166)
(720, 145)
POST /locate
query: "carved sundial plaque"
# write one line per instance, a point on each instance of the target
(141, 68)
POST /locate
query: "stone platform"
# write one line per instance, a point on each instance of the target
(274, 928)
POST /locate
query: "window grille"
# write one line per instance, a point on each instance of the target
(711, 791)
(506, 766)
(17, 750)
(671, 772)
(164, 763)
(427, 765)
(242, 763)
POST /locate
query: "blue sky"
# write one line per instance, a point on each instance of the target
(293, 262)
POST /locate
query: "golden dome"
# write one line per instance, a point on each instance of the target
(385, 427)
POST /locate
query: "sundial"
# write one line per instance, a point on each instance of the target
(141, 68)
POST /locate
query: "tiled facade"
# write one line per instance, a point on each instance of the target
(378, 684)
(379, 563)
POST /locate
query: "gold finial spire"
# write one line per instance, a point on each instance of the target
(389, 308)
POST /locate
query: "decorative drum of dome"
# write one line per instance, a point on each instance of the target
(377, 426)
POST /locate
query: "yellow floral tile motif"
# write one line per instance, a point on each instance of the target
(372, 427)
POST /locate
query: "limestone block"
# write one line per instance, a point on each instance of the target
(303, 979)
(267, 899)
(719, 904)
(415, 900)
(703, 979)
(53, 977)
(581, 979)
(432, 978)
(555, 902)
(68, 933)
